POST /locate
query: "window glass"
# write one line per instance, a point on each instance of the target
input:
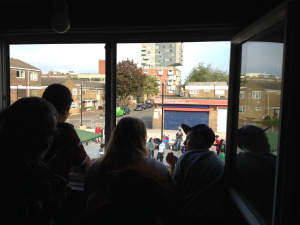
(191, 81)
(258, 122)
(77, 66)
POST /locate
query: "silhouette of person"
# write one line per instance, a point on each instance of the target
(198, 176)
(256, 167)
(30, 192)
(66, 150)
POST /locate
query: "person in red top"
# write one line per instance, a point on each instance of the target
(217, 144)
(98, 131)
(66, 150)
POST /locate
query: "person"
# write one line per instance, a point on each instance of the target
(126, 147)
(98, 131)
(160, 154)
(222, 155)
(179, 136)
(256, 166)
(198, 176)
(217, 144)
(150, 147)
(30, 192)
(139, 195)
(66, 149)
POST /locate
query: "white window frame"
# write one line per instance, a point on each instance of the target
(22, 72)
(220, 92)
(242, 94)
(33, 76)
(242, 109)
(74, 91)
(74, 105)
(256, 94)
(194, 91)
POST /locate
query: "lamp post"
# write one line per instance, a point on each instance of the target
(162, 110)
(81, 103)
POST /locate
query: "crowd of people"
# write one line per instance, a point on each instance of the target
(124, 186)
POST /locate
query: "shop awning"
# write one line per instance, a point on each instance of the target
(87, 135)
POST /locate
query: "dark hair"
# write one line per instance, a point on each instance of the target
(58, 95)
(25, 120)
(253, 138)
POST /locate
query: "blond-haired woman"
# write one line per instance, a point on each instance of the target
(127, 146)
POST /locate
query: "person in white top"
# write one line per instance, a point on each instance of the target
(160, 154)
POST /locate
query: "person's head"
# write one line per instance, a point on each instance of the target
(217, 136)
(97, 125)
(252, 138)
(127, 143)
(198, 137)
(150, 139)
(27, 128)
(60, 96)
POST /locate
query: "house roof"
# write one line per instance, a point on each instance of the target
(265, 84)
(46, 81)
(90, 84)
(207, 84)
(17, 63)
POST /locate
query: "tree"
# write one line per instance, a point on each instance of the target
(130, 79)
(202, 73)
(151, 86)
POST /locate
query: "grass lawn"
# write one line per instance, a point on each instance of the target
(273, 140)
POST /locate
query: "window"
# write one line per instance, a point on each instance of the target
(242, 94)
(74, 105)
(20, 73)
(220, 92)
(206, 90)
(257, 134)
(33, 76)
(34, 93)
(194, 91)
(242, 109)
(256, 94)
(74, 91)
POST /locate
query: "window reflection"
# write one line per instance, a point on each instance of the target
(259, 112)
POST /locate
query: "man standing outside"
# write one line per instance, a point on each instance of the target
(179, 136)
(98, 131)
(198, 176)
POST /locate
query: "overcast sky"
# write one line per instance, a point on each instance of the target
(83, 58)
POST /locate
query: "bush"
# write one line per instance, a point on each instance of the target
(268, 123)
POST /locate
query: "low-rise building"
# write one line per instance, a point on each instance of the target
(25, 80)
(206, 90)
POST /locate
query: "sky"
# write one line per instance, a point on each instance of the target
(83, 58)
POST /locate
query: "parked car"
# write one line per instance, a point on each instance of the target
(150, 104)
(119, 111)
(126, 111)
(145, 106)
(139, 108)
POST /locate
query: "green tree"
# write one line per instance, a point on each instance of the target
(206, 73)
(130, 79)
(151, 86)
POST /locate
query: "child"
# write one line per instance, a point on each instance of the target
(222, 155)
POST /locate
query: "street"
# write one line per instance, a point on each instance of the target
(90, 119)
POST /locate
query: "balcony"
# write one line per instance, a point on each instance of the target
(170, 72)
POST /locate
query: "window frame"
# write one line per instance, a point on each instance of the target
(287, 171)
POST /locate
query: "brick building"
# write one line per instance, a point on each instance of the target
(212, 112)
(25, 80)
(168, 75)
(206, 90)
(92, 92)
(259, 98)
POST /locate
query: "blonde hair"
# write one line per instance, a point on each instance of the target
(127, 144)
